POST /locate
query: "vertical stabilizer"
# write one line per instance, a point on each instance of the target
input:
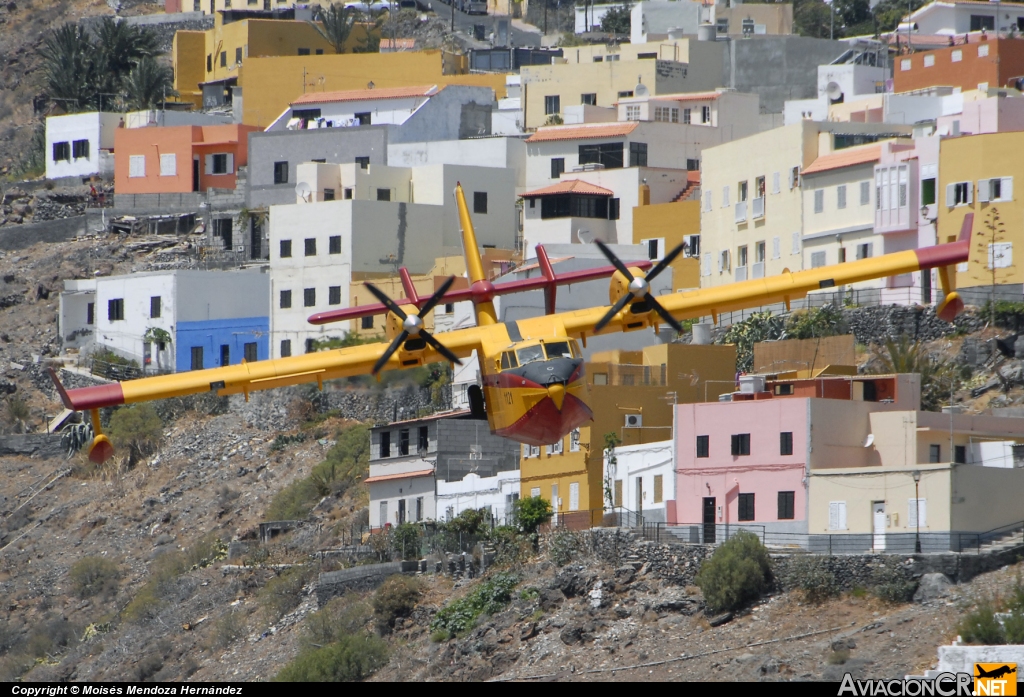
(483, 290)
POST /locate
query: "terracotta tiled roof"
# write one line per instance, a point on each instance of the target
(845, 158)
(360, 95)
(570, 186)
(581, 131)
(400, 475)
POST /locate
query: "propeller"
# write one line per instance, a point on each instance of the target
(412, 325)
(639, 288)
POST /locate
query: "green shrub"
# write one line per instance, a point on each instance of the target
(738, 571)
(814, 577)
(471, 521)
(94, 576)
(396, 597)
(353, 657)
(137, 429)
(205, 551)
(564, 546)
(229, 628)
(406, 539)
(530, 513)
(982, 627)
(339, 617)
(815, 323)
(489, 597)
(1008, 314)
(891, 585)
(283, 593)
(838, 657)
(510, 546)
(294, 502)
(1013, 627)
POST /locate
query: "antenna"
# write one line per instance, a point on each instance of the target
(641, 90)
(585, 236)
(303, 191)
(834, 92)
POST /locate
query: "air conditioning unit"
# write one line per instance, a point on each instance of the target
(634, 420)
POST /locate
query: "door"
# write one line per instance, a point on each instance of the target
(255, 239)
(197, 358)
(401, 511)
(878, 525)
(383, 514)
(709, 520)
(639, 494)
(195, 174)
(225, 354)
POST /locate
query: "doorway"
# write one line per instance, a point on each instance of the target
(383, 513)
(878, 525)
(225, 354)
(401, 511)
(709, 520)
(195, 173)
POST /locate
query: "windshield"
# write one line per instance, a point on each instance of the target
(558, 349)
(530, 354)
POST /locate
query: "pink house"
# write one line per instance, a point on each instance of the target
(746, 462)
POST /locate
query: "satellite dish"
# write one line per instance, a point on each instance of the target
(870, 440)
(834, 92)
(585, 236)
(303, 191)
(641, 90)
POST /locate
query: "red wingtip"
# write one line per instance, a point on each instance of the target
(60, 389)
(965, 228)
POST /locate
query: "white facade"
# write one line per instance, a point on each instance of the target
(947, 18)
(497, 494)
(662, 17)
(407, 499)
(352, 112)
(502, 151)
(645, 475)
(80, 145)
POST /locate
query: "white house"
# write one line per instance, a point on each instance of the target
(497, 494)
(643, 478)
(170, 320)
(503, 151)
(81, 145)
(368, 222)
(948, 18)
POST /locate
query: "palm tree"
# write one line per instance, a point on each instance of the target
(69, 67)
(939, 377)
(335, 25)
(119, 48)
(148, 84)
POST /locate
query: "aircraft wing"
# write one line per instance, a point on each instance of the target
(262, 375)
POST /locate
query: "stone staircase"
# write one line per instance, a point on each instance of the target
(1005, 541)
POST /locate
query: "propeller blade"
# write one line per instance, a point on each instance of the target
(439, 347)
(616, 262)
(389, 351)
(621, 303)
(669, 319)
(436, 297)
(663, 264)
(385, 300)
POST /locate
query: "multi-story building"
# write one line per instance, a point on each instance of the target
(656, 20)
(317, 249)
(949, 18)
(472, 469)
(995, 63)
(170, 320)
(567, 474)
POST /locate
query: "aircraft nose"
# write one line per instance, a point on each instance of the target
(556, 391)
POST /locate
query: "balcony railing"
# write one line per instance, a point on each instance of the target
(758, 208)
(741, 212)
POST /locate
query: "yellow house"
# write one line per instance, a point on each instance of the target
(671, 224)
(568, 475)
(976, 175)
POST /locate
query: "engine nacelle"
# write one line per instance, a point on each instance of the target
(618, 286)
(393, 323)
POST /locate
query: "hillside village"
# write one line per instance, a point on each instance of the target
(191, 186)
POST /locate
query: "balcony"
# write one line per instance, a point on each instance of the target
(741, 212)
(757, 271)
(741, 273)
(758, 208)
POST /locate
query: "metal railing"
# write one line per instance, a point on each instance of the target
(629, 374)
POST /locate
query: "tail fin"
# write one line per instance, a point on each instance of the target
(482, 289)
(952, 303)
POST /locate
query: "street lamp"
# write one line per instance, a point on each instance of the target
(917, 511)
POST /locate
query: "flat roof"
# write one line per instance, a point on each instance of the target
(368, 94)
(581, 131)
(400, 475)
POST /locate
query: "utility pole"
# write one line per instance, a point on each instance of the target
(453, 16)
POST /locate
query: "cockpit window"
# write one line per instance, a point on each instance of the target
(530, 354)
(508, 360)
(558, 349)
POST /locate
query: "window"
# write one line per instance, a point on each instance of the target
(80, 149)
(286, 249)
(786, 443)
(929, 60)
(348, 193)
(383, 194)
(286, 348)
(786, 500)
(115, 309)
(90, 313)
(776, 248)
(535, 492)
(154, 307)
(334, 244)
(692, 164)
(62, 151)
(209, 58)
(223, 59)
(864, 250)
(280, 172)
(841, 196)
(666, 114)
(960, 454)
(741, 444)
(617, 495)
(303, 51)
(625, 94)
(741, 192)
(533, 450)
(982, 23)
(422, 439)
(238, 55)
(746, 506)
(652, 249)
(168, 165)
(555, 448)
(249, 353)
(328, 194)
(722, 25)
(385, 444)
(197, 358)
(658, 488)
(403, 441)
(687, 115)
(927, 191)
(934, 453)
(705, 114)
(917, 508)
(579, 206)
(819, 201)
(552, 105)
(367, 322)
(449, 308)
(613, 209)
(557, 167)
(724, 263)
(632, 112)
(574, 496)
(794, 178)
(959, 194)
(334, 295)
(309, 297)
(136, 165)
(741, 256)
(574, 440)
(310, 246)
(817, 259)
(998, 189)
(286, 299)
(638, 154)
(703, 446)
(982, 50)
(865, 192)
(837, 515)
(219, 164)
(480, 202)
(607, 154)
(589, 98)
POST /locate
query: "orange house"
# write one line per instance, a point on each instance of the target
(998, 62)
(178, 159)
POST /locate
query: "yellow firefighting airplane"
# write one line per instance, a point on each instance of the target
(532, 369)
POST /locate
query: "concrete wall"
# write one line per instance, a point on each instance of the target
(985, 498)
(217, 295)
(212, 335)
(493, 151)
(458, 438)
(457, 111)
(14, 237)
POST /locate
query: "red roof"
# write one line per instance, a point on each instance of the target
(400, 475)
(362, 95)
(583, 130)
(845, 158)
(570, 186)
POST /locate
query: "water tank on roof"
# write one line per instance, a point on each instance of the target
(707, 32)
